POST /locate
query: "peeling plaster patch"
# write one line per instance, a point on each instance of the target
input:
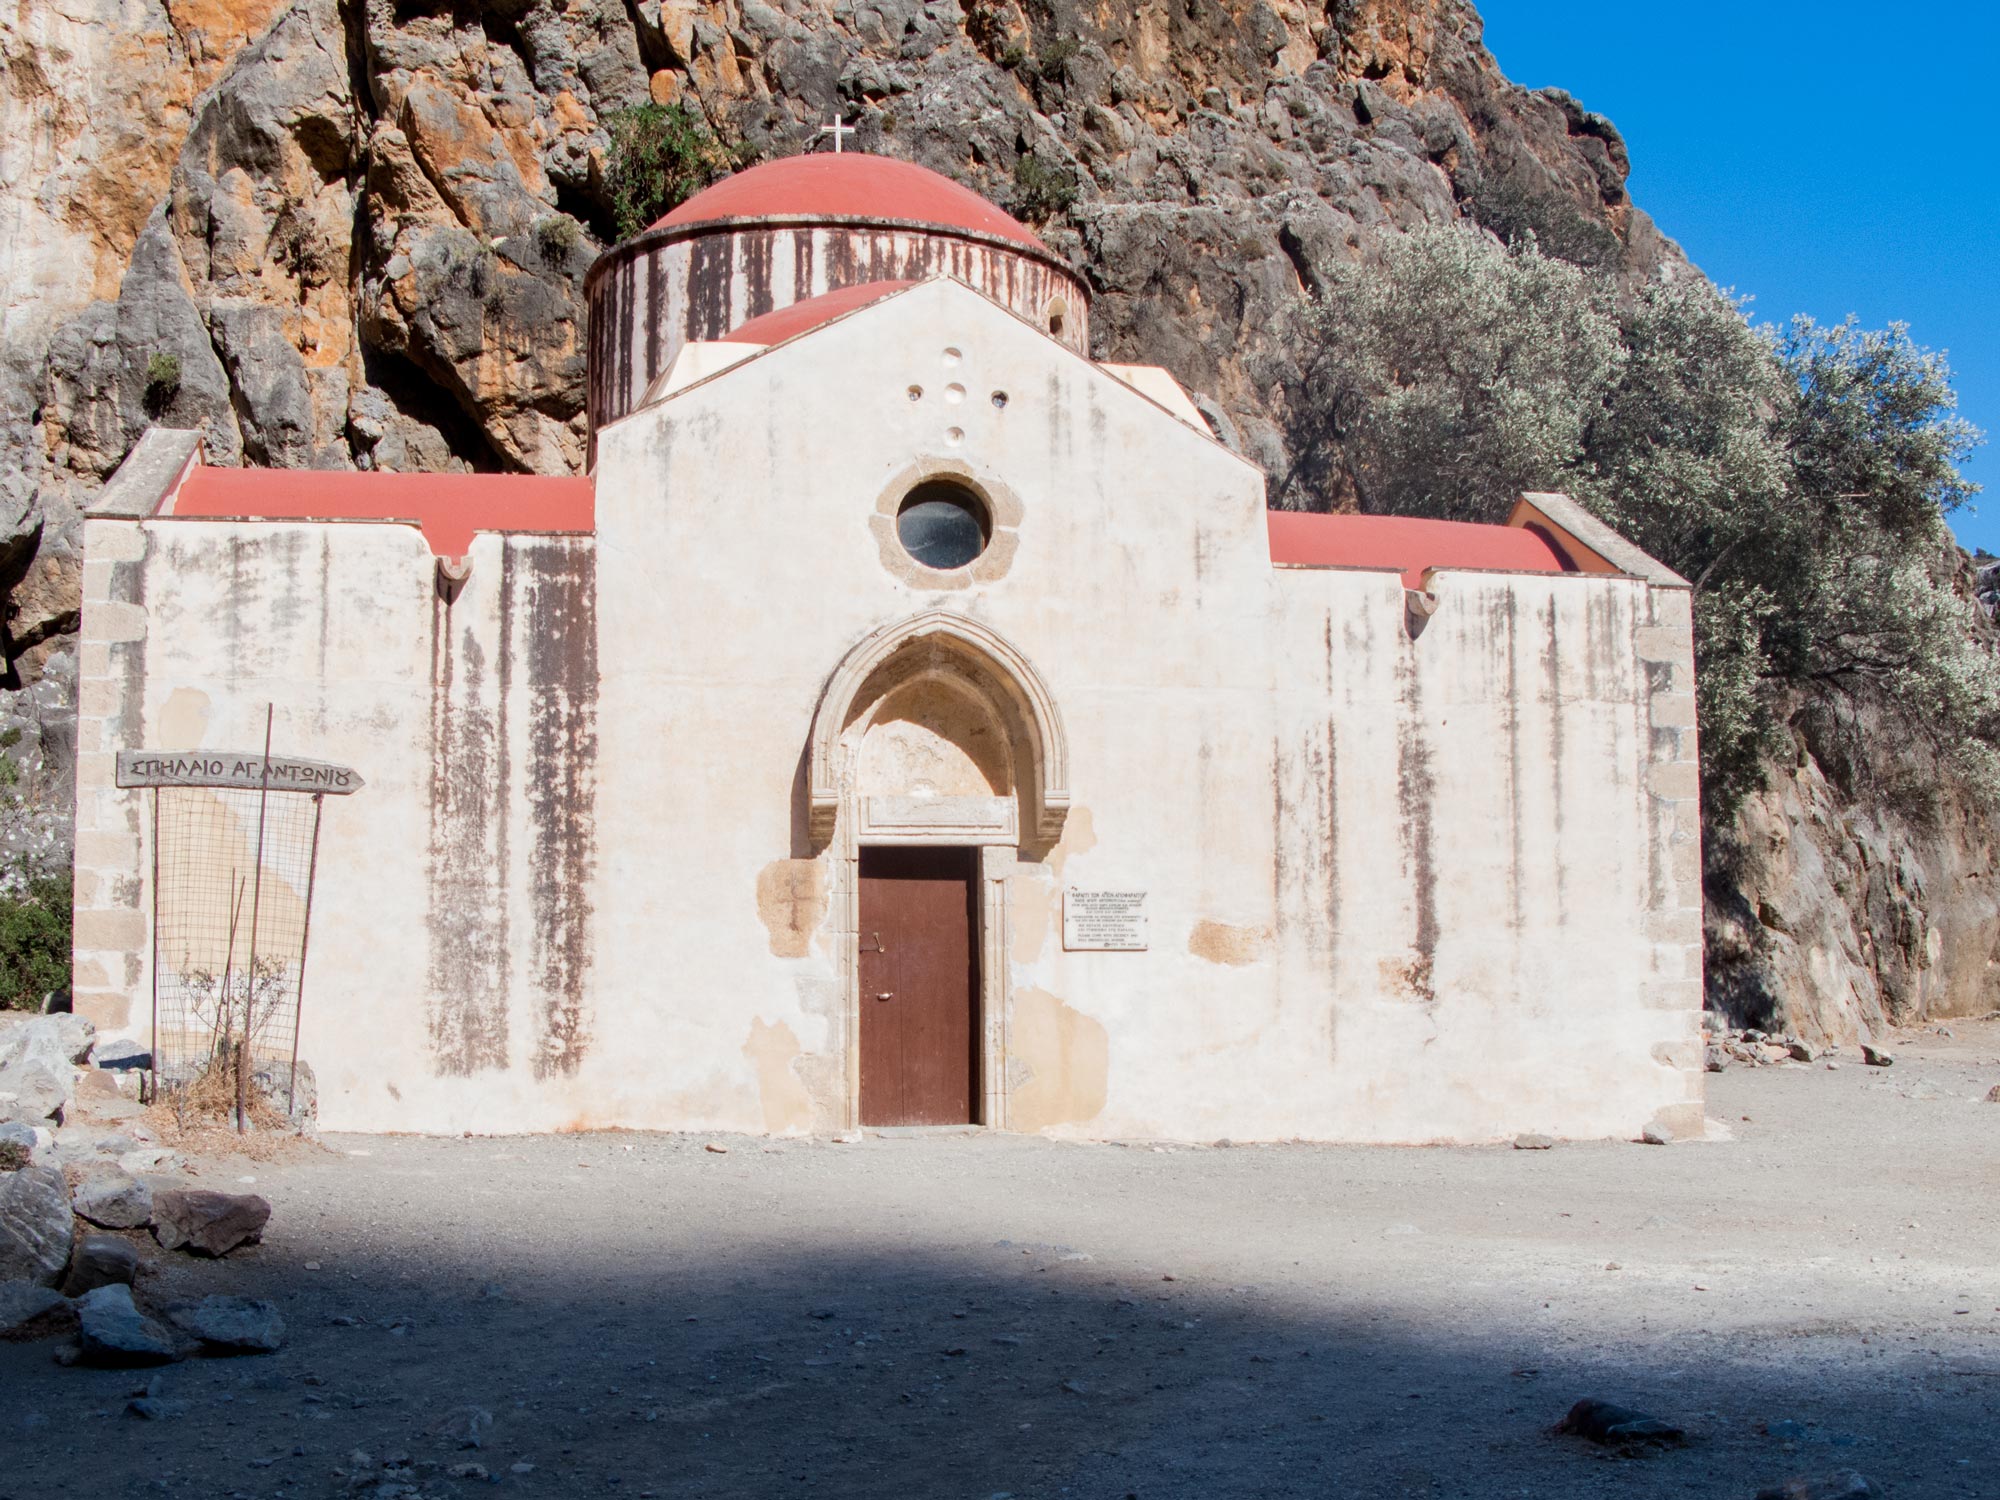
(1062, 1061)
(561, 599)
(1029, 903)
(1222, 943)
(1408, 978)
(791, 903)
(1078, 837)
(773, 1050)
(823, 1072)
(183, 719)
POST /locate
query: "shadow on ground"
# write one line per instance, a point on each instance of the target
(663, 1325)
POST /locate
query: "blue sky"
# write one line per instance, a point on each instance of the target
(1825, 158)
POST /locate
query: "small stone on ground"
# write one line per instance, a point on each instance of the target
(111, 1331)
(101, 1260)
(208, 1222)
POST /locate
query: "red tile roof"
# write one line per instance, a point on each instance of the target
(449, 508)
(790, 322)
(1406, 544)
(850, 185)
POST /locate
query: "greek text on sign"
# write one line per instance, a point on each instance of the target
(1112, 921)
(228, 768)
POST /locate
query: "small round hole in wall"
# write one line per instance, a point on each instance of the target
(951, 358)
(953, 436)
(953, 394)
(999, 400)
(916, 393)
(943, 524)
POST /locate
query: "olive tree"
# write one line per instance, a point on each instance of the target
(1798, 477)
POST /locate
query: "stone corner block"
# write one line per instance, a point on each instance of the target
(110, 929)
(107, 1010)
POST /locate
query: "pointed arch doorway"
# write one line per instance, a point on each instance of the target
(937, 765)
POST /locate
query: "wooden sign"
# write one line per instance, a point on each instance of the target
(1106, 921)
(218, 768)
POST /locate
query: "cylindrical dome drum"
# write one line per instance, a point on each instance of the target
(793, 229)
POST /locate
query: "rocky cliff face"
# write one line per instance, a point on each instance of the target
(1857, 890)
(354, 234)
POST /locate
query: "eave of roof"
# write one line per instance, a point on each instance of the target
(1408, 545)
(802, 317)
(449, 508)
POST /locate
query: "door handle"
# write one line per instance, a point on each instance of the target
(886, 995)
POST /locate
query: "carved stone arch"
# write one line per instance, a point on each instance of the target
(928, 642)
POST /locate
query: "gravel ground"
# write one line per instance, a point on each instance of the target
(972, 1316)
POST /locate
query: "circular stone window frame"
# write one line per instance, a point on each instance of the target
(1004, 512)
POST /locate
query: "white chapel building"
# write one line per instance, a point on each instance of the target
(908, 720)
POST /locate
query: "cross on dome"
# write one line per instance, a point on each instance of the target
(837, 130)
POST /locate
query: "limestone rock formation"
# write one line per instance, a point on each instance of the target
(355, 236)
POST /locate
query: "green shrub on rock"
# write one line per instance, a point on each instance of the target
(34, 942)
(661, 155)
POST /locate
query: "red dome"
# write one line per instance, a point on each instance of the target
(848, 185)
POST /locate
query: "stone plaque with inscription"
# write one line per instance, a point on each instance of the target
(1105, 921)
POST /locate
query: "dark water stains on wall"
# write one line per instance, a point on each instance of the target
(467, 909)
(128, 586)
(1507, 628)
(557, 583)
(1416, 796)
(1305, 886)
(641, 316)
(1552, 665)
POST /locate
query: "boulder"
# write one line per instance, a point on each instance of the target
(118, 1053)
(57, 1040)
(207, 1222)
(115, 1200)
(29, 1311)
(1875, 1057)
(31, 1092)
(17, 1145)
(35, 1225)
(101, 1260)
(290, 1090)
(231, 1325)
(112, 1331)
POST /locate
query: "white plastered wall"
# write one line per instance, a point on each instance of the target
(1399, 889)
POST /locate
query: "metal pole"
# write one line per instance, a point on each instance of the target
(225, 1008)
(305, 936)
(153, 1041)
(256, 899)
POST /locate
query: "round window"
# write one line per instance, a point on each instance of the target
(943, 525)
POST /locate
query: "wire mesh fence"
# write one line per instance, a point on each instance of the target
(232, 895)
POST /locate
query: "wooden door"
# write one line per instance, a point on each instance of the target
(919, 987)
